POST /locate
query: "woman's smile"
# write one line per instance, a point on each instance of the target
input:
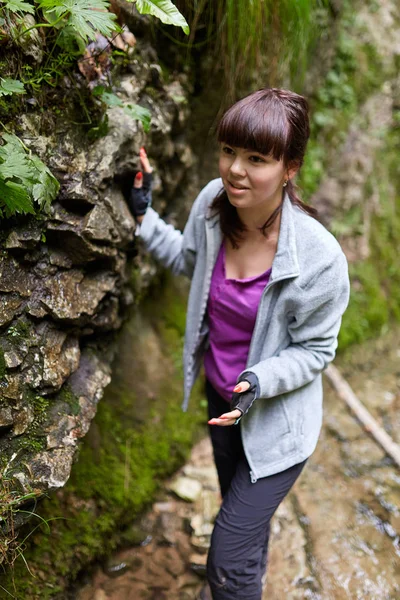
(236, 188)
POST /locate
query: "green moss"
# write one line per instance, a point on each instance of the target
(123, 459)
(375, 298)
(356, 71)
(66, 395)
(18, 330)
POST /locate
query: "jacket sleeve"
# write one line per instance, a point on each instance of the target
(174, 249)
(313, 334)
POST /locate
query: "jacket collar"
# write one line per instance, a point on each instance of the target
(285, 263)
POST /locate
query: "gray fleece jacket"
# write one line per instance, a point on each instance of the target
(295, 335)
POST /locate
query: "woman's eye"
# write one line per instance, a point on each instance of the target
(227, 150)
(256, 159)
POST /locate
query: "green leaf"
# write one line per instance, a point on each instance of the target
(46, 189)
(111, 99)
(165, 11)
(13, 142)
(19, 6)
(24, 178)
(85, 17)
(10, 86)
(139, 113)
(14, 198)
(16, 165)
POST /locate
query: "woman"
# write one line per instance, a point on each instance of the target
(269, 287)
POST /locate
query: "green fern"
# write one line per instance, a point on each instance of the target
(85, 17)
(137, 112)
(26, 184)
(19, 6)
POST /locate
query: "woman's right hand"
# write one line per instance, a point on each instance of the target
(140, 196)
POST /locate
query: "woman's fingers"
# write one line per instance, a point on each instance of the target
(138, 182)
(243, 386)
(147, 168)
(226, 419)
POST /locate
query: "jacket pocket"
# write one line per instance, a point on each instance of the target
(277, 419)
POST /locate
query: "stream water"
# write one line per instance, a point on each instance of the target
(336, 536)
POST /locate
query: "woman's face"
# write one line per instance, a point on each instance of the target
(251, 179)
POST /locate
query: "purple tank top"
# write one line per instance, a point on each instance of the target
(232, 311)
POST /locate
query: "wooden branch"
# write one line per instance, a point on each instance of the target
(345, 392)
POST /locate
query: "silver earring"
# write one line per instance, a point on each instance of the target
(286, 182)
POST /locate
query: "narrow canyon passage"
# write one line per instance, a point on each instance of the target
(336, 536)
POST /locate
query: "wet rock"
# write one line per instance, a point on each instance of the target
(14, 277)
(343, 427)
(206, 475)
(186, 488)
(6, 417)
(9, 303)
(99, 225)
(70, 295)
(61, 355)
(198, 564)
(134, 535)
(170, 559)
(160, 507)
(114, 568)
(22, 419)
(51, 468)
(24, 237)
(13, 359)
(169, 524)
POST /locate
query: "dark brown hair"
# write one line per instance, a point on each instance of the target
(270, 121)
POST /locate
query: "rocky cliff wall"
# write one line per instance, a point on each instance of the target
(68, 279)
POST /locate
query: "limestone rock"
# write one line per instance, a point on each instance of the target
(71, 295)
(65, 278)
(186, 488)
(9, 303)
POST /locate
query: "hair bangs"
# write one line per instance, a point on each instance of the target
(254, 124)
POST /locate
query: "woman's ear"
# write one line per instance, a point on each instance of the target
(292, 169)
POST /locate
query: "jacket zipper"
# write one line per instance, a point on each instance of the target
(253, 477)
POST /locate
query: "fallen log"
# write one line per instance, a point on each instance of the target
(345, 392)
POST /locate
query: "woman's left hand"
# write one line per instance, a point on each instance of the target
(229, 418)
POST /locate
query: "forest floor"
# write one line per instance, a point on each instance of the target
(336, 535)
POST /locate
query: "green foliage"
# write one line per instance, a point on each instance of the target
(253, 42)
(10, 86)
(137, 112)
(81, 17)
(163, 10)
(19, 6)
(26, 184)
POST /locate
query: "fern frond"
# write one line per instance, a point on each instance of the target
(19, 6)
(14, 198)
(135, 111)
(84, 16)
(24, 179)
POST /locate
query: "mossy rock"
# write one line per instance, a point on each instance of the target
(138, 437)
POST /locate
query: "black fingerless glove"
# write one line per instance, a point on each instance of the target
(243, 400)
(140, 198)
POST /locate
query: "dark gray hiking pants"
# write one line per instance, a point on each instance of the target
(237, 557)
